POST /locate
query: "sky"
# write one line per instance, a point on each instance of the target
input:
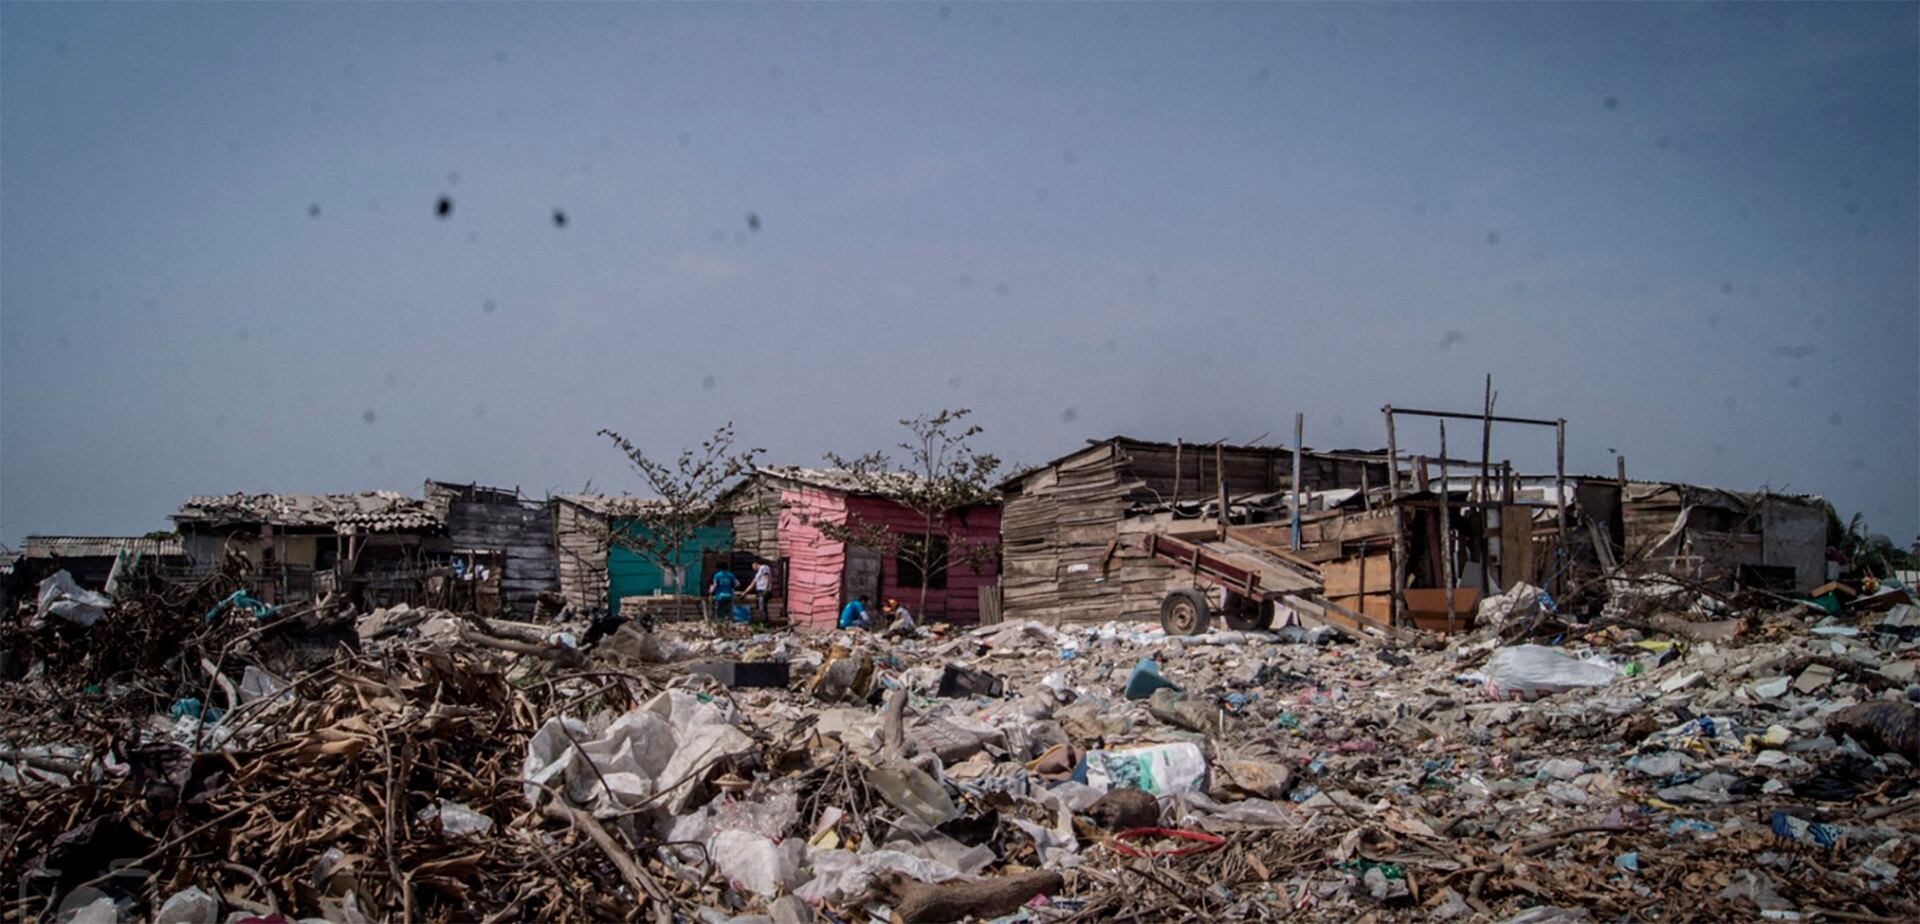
(1692, 231)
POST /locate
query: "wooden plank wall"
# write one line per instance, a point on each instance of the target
(522, 531)
(580, 551)
(1072, 554)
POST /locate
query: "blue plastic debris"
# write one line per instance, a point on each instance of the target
(1681, 826)
(1146, 678)
(240, 599)
(1799, 829)
(190, 706)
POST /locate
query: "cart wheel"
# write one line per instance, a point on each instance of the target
(1249, 616)
(1184, 612)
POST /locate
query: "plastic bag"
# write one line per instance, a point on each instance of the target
(1161, 769)
(1532, 671)
(61, 596)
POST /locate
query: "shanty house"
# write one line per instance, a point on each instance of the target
(375, 546)
(1751, 538)
(1073, 529)
(502, 542)
(820, 573)
(596, 573)
(90, 559)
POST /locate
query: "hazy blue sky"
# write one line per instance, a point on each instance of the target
(1691, 230)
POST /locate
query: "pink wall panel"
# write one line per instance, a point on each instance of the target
(961, 598)
(814, 562)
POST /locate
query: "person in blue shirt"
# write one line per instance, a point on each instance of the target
(722, 591)
(854, 615)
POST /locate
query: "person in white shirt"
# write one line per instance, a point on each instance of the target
(762, 586)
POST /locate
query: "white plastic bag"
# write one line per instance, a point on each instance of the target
(1532, 671)
(60, 596)
(1160, 769)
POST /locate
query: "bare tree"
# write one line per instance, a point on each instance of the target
(689, 495)
(940, 476)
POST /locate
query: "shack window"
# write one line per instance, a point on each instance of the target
(907, 563)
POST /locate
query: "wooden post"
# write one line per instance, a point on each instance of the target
(1446, 528)
(1299, 428)
(1397, 606)
(1176, 471)
(1486, 481)
(1620, 465)
(1421, 483)
(1220, 475)
(1560, 489)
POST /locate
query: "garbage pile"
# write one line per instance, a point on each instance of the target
(259, 764)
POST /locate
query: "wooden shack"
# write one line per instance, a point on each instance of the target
(512, 534)
(1072, 529)
(819, 574)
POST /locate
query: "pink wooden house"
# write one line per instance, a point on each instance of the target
(820, 574)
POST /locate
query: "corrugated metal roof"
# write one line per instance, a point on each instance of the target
(372, 511)
(611, 504)
(882, 484)
(99, 546)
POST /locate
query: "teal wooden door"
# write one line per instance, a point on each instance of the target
(632, 575)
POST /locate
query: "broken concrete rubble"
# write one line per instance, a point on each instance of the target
(435, 765)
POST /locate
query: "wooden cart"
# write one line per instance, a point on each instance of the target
(1255, 578)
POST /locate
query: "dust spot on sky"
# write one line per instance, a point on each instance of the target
(1493, 237)
(219, 421)
(1339, 421)
(775, 72)
(1796, 350)
(60, 49)
(93, 295)
(443, 207)
(964, 282)
(1853, 208)
(1002, 289)
(1663, 142)
(1451, 337)
(479, 411)
(1612, 103)
(373, 205)
(686, 138)
(719, 236)
(375, 460)
(392, 379)
(559, 218)
(1070, 415)
(953, 381)
(1040, 194)
(1719, 449)
(944, 12)
(368, 416)
(1726, 288)
(1110, 345)
(1834, 419)
(1420, 208)
(245, 334)
(1857, 463)
(488, 306)
(316, 107)
(1153, 279)
(1729, 402)
(1260, 76)
(1846, 182)
(706, 382)
(1067, 158)
(453, 178)
(500, 55)
(64, 341)
(1794, 383)
(500, 114)
(152, 304)
(753, 221)
(233, 146)
(313, 210)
